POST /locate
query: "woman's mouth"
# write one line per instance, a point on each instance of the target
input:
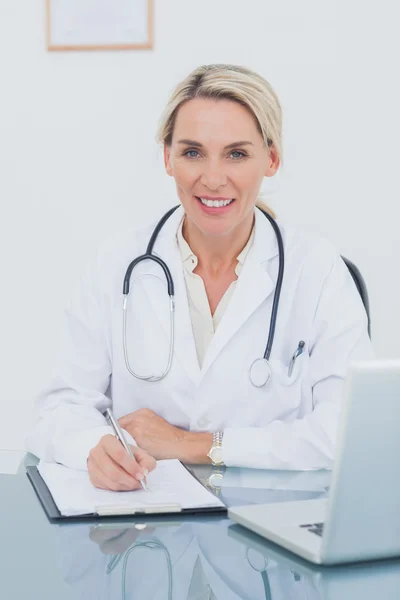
(215, 204)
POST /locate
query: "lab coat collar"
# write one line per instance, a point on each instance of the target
(253, 286)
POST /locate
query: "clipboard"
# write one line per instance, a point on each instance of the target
(52, 512)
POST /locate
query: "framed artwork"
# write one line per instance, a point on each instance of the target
(99, 24)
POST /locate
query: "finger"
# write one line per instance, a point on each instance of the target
(145, 460)
(100, 480)
(126, 420)
(93, 472)
(106, 472)
(120, 457)
(123, 421)
(103, 481)
(112, 474)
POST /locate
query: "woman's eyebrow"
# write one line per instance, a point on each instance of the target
(198, 145)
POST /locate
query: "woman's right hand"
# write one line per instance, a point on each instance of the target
(111, 468)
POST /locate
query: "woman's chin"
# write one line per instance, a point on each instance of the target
(214, 229)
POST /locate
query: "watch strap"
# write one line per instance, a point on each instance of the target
(217, 443)
(217, 438)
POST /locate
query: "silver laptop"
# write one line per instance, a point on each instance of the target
(360, 520)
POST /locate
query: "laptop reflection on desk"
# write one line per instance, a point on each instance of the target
(364, 581)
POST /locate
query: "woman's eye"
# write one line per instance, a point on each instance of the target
(237, 154)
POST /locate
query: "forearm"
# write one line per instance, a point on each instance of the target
(301, 445)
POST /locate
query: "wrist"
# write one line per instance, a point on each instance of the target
(194, 447)
(215, 453)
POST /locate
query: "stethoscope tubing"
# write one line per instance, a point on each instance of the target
(170, 286)
(278, 287)
(145, 544)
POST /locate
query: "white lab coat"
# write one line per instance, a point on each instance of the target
(290, 423)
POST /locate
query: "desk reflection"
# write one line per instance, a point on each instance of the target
(205, 559)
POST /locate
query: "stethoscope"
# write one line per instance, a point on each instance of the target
(259, 563)
(254, 562)
(262, 569)
(153, 545)
(260, 369)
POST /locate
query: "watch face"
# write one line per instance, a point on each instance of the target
(216, 455)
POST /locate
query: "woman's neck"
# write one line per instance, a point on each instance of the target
(217, 254)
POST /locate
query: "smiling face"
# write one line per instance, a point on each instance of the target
(218, 159)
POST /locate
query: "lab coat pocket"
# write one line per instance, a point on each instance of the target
(283, 398)
(288, 374)
(296, 370)
(286, 384)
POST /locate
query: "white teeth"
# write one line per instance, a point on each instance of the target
(216, 203)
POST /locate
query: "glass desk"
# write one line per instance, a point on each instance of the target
(177, 558)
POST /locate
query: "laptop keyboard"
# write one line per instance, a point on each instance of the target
(316, 528)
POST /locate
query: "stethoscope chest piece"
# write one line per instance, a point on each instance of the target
(260, 372)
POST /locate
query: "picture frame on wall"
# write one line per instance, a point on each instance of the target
(99, 24)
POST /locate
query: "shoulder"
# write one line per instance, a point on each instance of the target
(112, 256)
(317, 271)
(133, 241)
(309, 249)
(116, 253)
(302, 247)
(128, 242)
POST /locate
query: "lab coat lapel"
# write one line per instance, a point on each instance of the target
(253, 286)
(166, 247)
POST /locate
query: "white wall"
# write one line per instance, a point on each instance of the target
(78, 159)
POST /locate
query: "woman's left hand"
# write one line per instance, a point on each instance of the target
(153, 433)
(162, 440)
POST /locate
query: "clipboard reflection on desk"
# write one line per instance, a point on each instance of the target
(67, 493)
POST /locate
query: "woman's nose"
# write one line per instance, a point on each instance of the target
(213, 176)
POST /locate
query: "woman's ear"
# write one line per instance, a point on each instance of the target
(167, 159)
(273, 162)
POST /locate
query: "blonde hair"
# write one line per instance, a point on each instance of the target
(229, 82)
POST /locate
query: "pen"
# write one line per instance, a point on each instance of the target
(299, 351)
(120, 436)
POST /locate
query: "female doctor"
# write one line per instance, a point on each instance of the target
(243, 364)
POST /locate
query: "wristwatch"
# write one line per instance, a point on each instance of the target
(215, 453)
